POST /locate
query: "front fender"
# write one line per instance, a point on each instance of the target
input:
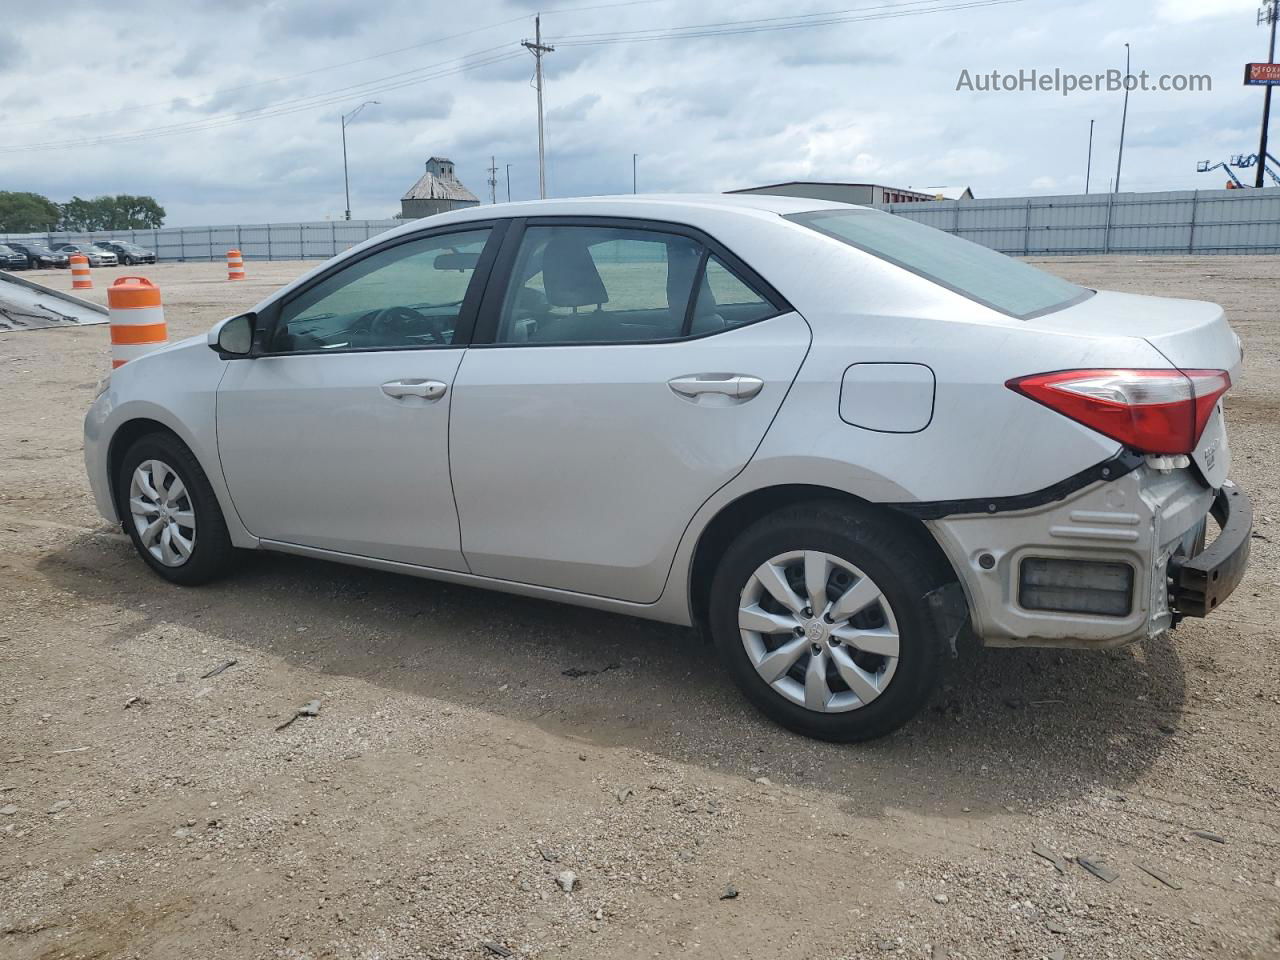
(177, 388)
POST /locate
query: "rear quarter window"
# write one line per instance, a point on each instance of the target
(969, 269)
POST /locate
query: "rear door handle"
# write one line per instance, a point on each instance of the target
(427, 389)
(733, 385)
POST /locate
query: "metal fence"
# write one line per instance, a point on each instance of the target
(1177, 222)
(258, 241)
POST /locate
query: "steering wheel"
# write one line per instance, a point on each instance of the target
(391, 325)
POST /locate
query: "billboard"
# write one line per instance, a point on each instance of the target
(1261, 74)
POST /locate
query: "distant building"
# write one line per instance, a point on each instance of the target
(950, 193)
(863, 194)
(436, 191)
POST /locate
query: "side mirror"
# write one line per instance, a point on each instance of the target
(233, 337)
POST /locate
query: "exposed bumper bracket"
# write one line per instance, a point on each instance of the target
(1201, 583)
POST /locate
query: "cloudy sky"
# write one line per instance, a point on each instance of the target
(229, 111)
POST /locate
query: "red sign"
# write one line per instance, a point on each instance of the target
(1261, 74)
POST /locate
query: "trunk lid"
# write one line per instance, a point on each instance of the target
(1190, 334)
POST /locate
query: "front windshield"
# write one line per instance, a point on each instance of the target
(967, 268)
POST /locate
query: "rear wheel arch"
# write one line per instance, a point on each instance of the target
(737, 515)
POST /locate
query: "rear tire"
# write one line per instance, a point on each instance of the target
(878, 569)
(170, 512)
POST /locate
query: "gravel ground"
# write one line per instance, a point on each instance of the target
(455, 771)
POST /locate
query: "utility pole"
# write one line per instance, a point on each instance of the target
(633, 172)
(1088, 165)
(539, 49)
(508, 183)
(493, 180)
(1123, 117)
(346, 183)
(1268, 14)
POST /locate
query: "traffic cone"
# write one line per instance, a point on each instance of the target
(137, 319)
(235, 265)
(81, 279)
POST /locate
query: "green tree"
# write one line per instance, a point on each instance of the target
(122, 212)
(28, 212)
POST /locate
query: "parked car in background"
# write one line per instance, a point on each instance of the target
(833, 438)
(127, 252)
(98, 256)
(11, 259)
(38, 255)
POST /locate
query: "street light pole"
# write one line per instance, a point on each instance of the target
(1088, 166)
(633, 172)
(346, 182)
(1270, 12)
(1124, 116)
(508, 183)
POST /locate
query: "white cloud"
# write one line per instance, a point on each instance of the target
(1186, 11)
(873, 100)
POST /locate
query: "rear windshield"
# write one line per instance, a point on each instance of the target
(970, 269)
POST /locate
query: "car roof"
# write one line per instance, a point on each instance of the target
(678, 207)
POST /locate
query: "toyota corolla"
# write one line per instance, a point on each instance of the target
(831, 438)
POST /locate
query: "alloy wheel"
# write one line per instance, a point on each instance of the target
(819, 631)
(163, 514)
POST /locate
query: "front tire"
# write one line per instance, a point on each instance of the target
(819, 613)
(170, 512)
(129, 261)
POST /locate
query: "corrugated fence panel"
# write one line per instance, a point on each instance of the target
(1180, 221)
(262, 241)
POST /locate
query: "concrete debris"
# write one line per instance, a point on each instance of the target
(497, 949)
(1206, 835)
(218, 669)
(59, 806)
(1160, 875)
(1098, 869)
(309, 709)
(567, 880)
(730, 892)
(1059, 864)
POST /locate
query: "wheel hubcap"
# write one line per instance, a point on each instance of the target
(819, 631)
(163, 514)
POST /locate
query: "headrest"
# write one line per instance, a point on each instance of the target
(569, 275)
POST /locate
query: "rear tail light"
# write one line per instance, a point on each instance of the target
(1151, 411)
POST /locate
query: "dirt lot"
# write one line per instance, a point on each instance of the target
(455, 768)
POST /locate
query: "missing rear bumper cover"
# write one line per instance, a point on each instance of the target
(1200, 584)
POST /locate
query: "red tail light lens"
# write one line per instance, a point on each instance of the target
(1152, 411)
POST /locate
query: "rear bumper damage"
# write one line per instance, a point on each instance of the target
(1116, 561)
(1199, 583)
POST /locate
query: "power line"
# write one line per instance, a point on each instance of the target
(768, 24)
(470, 61)
(181, 101)
(494, 55)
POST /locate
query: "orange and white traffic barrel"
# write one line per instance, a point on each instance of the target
(137, 319)
(235, 265)
(81, 279)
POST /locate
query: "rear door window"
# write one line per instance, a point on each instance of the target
(579, 284)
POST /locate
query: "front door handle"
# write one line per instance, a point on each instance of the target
(736, 386)
(427, 389)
